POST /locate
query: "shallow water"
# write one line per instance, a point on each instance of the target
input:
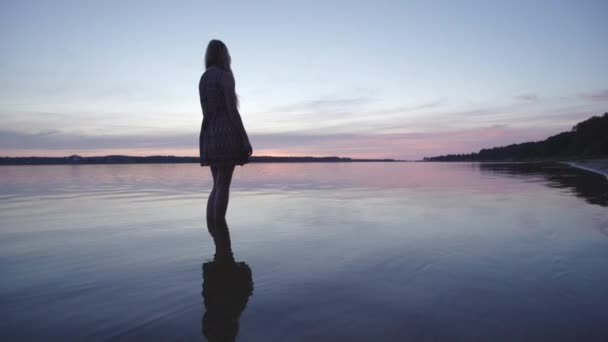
(336, 251)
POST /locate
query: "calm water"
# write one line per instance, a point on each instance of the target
(337, 252)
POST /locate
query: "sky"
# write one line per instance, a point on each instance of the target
(372, 79)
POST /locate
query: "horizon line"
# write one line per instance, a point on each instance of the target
(181, 156)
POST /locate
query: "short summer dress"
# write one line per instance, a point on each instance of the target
(221, 141)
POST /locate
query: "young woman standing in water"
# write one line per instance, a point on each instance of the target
(223, 141)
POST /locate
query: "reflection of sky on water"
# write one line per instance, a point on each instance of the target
(339, 251)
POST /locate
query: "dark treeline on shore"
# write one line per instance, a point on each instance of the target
(587, 139)
(118, 159)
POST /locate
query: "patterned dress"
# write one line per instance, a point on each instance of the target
(222, 137)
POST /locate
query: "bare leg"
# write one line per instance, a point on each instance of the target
(222, 192)
(211, 200)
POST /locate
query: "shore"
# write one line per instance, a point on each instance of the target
(594, 165)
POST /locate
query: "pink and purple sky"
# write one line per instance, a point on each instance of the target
(384, 79)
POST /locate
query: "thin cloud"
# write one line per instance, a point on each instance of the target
(601, 95)
(412, 145)
(323, 104)
(527, 97)
(345, 116)
(407, 132)
(55, 140)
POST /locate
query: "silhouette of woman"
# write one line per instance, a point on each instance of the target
(227, 286)
(223, 142)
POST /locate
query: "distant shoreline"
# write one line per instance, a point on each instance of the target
(120, 159)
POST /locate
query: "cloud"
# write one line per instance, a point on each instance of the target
(527, 97)
(347, 115)
(405, 132)
(56, 140)
(601, 95)
(323, 104)
(412, 145)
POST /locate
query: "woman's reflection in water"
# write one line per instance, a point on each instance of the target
(227, 285)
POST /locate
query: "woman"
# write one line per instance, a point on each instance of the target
(223, 140)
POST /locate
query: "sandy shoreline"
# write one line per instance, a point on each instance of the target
(598, 166)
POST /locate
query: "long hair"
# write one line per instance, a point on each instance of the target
(217, 55)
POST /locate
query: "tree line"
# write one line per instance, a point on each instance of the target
(587, 139)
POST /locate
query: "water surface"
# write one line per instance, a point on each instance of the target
(327, 251)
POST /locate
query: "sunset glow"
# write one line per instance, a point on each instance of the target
(416, 80)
